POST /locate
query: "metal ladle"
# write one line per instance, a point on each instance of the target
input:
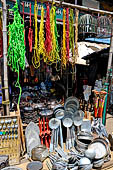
(54, 123)
(67, 122)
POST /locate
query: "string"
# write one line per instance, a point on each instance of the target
(48, 41)
(67, 32)
(30, 33)
(16, 49)
(1, 37)
(54, 34)
(64, 61)
(35, 58)
(71, 34)
(41, 49)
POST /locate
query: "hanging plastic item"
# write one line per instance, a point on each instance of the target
(54, 33)
(30, 34)
(71, 33)
(41, 49)
(67, 32)
(48, 41)
(35, 58)
(1, 37)
(64, 60)
(16, 49)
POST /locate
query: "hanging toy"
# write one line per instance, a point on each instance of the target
(67, 32)
(41, 49)
(71, 34)
(64, 61)
(48, 41)
(35, 58)
(54, 34)
(30, 34)
(16, 49)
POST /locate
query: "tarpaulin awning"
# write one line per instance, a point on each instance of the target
(87, 48)
(99, 40)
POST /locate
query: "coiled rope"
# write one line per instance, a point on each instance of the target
(35, 58)
(67, 32)
(71, 34)
(64, 60)
(55, 48)
(41, 48)
(16, 49)
(48, 41)
(30, 34)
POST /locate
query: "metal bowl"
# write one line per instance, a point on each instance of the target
(84, 161)
(100, 149)
(90, 153)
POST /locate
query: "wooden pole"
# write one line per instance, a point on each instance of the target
(110, 55)
(76, 6)
(5, 72)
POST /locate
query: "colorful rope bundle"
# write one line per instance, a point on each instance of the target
(71, 34)
(30, 34)
(48, 41)
(41, 49)
(16, 49)
(35, 58)
(67, 32)
(55, 49)
(1, 37)
(76, 34)
(64, 60)
(23, 23)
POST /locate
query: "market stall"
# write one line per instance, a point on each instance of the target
(47, 123)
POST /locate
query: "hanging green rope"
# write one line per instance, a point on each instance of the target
(16, 49)
(71, 33)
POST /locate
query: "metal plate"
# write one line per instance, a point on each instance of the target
(71, 100)
(36, 165)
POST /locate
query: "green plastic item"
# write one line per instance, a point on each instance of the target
(105, 104)
(16, 49)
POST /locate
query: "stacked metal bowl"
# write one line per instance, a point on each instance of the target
(29, 115)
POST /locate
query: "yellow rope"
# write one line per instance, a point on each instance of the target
(35, 58)
(64, 61)
(41, 50)
(76, 34)
(55, 52)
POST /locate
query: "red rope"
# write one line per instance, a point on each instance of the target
(67, 32)
(30, 34)
(48, 42)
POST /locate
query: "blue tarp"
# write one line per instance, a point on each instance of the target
(99, 40)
